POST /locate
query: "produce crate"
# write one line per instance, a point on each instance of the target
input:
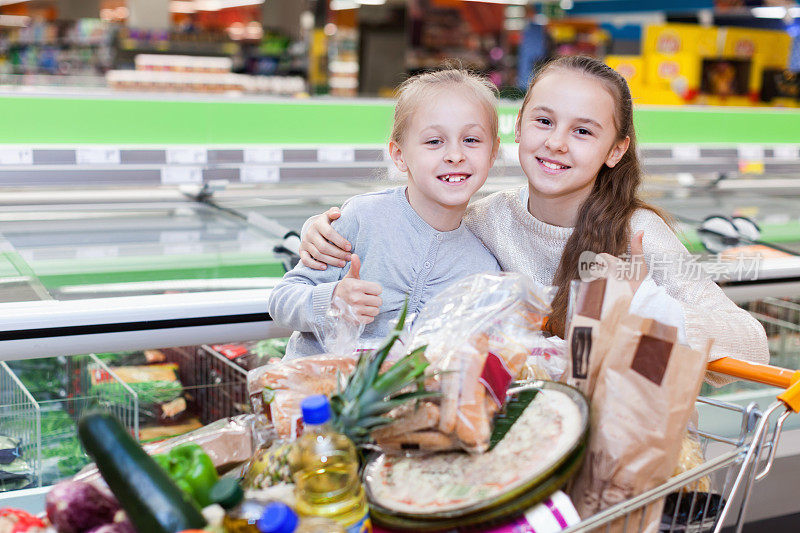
(216, 386)
(122, 401)
(43, 419)
(42, 415)
(20, 418)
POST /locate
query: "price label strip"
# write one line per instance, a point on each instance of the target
(751, 159)
(686, 152)
(263, 155)
(181, 175)
(260, 174)
(97, 156)
(187, 156)
(16, 156)
(336, 155)
(786, 152)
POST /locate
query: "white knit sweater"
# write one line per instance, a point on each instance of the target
(522, 243)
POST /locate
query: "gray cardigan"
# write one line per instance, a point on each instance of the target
(397, 248)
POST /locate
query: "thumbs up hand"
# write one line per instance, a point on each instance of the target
(355, 268)
(635, 270)
(362, 296)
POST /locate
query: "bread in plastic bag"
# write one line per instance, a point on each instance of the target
(479, 332)
(277, 389)
(547, 360)
(691, 456)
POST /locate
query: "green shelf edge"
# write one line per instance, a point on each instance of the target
(117, 120)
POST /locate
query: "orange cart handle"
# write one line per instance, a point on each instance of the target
(766, 374)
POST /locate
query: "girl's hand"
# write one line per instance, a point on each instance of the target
(322, 245)
(635, 270)
(362, 296)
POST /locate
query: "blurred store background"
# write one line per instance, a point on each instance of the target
(673, 52)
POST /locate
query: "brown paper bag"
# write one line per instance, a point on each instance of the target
(644, 395)
(587, 347)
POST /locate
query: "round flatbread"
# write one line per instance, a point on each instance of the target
(548, 430)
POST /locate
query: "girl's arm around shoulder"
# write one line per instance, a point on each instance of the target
(303, 297)
(708, 313)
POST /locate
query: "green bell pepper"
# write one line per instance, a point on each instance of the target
(191, 469)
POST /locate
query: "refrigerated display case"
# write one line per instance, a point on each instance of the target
(93, 288)
(163, 237)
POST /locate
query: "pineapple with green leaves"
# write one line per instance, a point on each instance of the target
(369, 395)
(361, 406)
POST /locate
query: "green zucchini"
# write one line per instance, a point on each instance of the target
(152, 501)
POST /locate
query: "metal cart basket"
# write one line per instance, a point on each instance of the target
(745, 459)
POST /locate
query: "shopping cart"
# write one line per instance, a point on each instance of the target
(745, 460)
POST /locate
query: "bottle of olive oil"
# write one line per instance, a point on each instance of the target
(324, 467)
(279, 518)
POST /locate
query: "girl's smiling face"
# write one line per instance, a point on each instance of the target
(566, 133)
(447, 152)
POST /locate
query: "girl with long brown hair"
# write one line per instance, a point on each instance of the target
(577, 147)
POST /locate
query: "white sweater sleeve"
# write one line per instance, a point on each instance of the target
(709, 315)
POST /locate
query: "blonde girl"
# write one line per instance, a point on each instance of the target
(577, 147)
(407, 241)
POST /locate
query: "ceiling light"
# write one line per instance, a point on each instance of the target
(508, 2)
(769, 12)
(337, 5)
(216, 5)
(371, 2)
(192, 6)
(775, 12)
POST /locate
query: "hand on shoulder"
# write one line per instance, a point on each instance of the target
(321, 245)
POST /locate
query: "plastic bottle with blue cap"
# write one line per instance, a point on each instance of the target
(324, 465)
(280, 518)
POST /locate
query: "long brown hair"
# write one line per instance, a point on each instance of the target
(603, 221)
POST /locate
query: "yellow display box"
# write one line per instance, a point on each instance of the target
(679, 73)
(655, 96)
(630, 67)
(672, 56)
(765, 48)
(771, 46)
(675, 39)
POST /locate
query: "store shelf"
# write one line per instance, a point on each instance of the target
(103, 118)
(47, 329)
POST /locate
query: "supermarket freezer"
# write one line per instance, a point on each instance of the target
(776, 214)
(108, 284)
(164, 254)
